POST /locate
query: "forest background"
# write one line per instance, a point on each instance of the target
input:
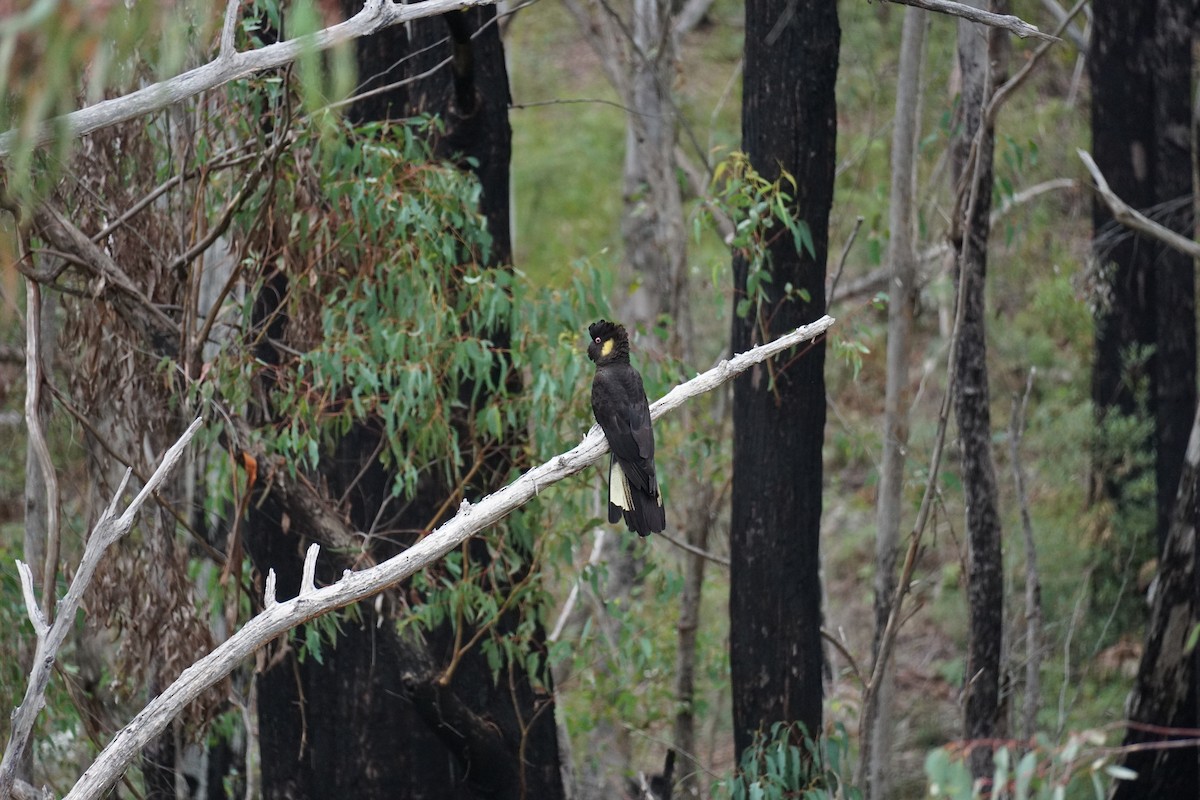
(331, 293)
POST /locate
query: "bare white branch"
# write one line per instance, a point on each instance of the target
(470, 519)
(169, 459)
(1014, 25)
(107, 530)
(269, 595)
(229, 29)
(111, 509)
(1134, 219)
(31, 604)
(374, 17)
(308, 577)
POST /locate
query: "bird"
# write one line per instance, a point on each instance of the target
(620, 406)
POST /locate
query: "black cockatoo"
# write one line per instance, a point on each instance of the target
(620, 405)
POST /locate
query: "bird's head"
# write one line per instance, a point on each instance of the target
(607, 342)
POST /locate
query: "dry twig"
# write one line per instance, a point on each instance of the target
(1134, 219)
(1033, 587)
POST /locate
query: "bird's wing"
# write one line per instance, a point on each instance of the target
(626, 425)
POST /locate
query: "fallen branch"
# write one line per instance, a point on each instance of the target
(50, 637)
(282, 616)
(1008, 22)
(229, 65)
(1134, 219)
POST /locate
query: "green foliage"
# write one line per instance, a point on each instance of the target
(1080, 768)
(851, 351)
(1122, 452)
(788, 763)
(398, 320)
(411, 328)
(756, 205)
(625, 658)
(314, 636)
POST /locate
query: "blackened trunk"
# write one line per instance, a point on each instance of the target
(1174, 360)
(377, 715)
(1140, 64)
(471, 97)
(788, 122)
(1164, 695)
(1122, 144)
(982, 717)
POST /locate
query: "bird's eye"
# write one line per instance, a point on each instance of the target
(597, 340)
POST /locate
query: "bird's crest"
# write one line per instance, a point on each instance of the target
(607, 338)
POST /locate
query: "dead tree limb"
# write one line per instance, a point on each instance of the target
(230, 65)
(1008, 22)
(37, 439)
(1132, 218)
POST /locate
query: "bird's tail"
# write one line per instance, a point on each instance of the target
(643, 512)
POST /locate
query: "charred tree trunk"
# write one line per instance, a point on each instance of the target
(1122, 144)
(779, 409)
(379, 715)
(1140, 65)
(1174, 360)
(1141, 62)
(1164, 694)
(982, 714)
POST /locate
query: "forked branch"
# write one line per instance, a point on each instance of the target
(50, 636)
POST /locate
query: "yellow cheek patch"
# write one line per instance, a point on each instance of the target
(606, 348)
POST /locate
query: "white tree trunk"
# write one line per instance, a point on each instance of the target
(902, 258)
(652, 223)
